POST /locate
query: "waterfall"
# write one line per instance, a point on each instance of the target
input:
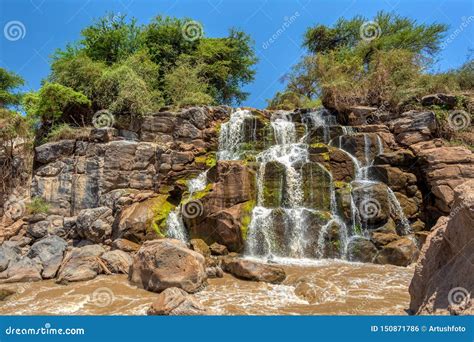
(174, 223)
(291, 220)
(232, 135)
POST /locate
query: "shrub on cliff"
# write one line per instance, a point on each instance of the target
(9, 81)
(57, 103)
(379, 62)
(184, 85)
(124, 68)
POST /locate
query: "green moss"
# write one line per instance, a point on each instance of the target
(341, 185)
(203, 192)
(161, 209)
(246, 217)
(200, 160)
(211, 159)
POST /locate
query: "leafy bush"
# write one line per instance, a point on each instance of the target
(124, 92)
(53, 101)
(37, 205)
(9, 81)
(184, 86)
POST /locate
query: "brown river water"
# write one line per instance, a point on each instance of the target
(326, 287)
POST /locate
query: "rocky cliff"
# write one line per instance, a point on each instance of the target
(219, 177)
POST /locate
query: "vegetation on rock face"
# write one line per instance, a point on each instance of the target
(15, 133)
(360, 62)
(37, 206)
(9, 81)
(133, 70)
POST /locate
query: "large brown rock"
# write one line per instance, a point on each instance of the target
(165, 263)
(401, 252)
(443, 279)
(144, 220)
(413, 127)
(81, 264)
(444, 168)
(224, 206)
(95, 224)
(176, 302)
(252, 270)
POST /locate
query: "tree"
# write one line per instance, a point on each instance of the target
(390, 31)
(57, 103)
(165, 41)
(9, 81)
(227, 64)
(184, 85)
(111, 38)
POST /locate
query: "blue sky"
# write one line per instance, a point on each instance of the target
(50, 24)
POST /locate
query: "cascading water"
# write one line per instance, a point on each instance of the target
(174, 223)
(290, 220)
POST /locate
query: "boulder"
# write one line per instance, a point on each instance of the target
(217, 249)
(52, 151)
(126, 245)
(95, 224)
(372, 203)
(401, 252)
(200, 246)
(214, 272)
(144, 220)
(102, 135)
(81, 264)
(9, 253)
(444, 100)
(443, 169)
(22, 270)
(413, 127)
(117, 261)
(316, 186)
(174, 301)
(165, 263)
(50, 252)
(443, 279)
(381, 239)
(274, 183)
(252, 270)
(52, 225)
(361, 249)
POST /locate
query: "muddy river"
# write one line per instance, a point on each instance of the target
(324, 287)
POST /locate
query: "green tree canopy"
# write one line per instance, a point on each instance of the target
(390, 31)
(9, 81)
